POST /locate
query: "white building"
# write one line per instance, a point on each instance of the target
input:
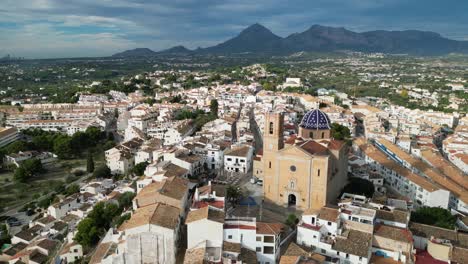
(238, 159)
(8, 135)
(263, 238)
(205, 226)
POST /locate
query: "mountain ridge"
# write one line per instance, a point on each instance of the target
(257, 39)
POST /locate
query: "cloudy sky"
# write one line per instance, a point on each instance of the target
(75, 28)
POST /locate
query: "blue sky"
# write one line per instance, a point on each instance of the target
(75, 28)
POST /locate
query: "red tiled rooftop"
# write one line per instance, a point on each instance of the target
(227, 226)
(423, 257)
(202, 204)
(313, 227)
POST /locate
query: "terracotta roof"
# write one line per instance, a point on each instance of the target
(445, 167)
(6, 131)
(336, 144)
(269, 228)
(394, 216)
(195, 255)
(208, 189)
(46, 220)
(313, 148)
(459, 254)
(328, 214)
(447, 182)
(30, 233)
(205, 213)
(238, 152)
(232, 247)
(100, 252)
(156, 214)
(356, 243)
(37, 257)
(427, 231)
(248, 256)
(14, 249)
(59, 226)
(172, 170)
(173, 187)
(47, 244)
(382, 159)
(394, 233)
(383, 260)
(295, 250)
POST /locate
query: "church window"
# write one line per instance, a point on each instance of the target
(292, 168)
(269, 164)
(292, 185)
(323, 134)
(271, 128)
(311, 134)
(318, 172)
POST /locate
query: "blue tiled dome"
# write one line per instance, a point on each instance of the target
(315, 119)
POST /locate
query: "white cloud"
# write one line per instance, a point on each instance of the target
(43, 41)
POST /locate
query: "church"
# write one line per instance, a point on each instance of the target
(308, 170)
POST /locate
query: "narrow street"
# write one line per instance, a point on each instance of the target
(256, 132)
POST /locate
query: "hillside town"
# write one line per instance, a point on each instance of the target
(234, 172)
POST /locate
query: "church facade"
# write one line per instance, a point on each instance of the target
(307, 171)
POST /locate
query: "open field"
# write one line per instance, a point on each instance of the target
(14, 194)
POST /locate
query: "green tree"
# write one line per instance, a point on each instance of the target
(360, 187)
(72, 189)
(20, 175)
(214, 107)
(233, 194)
(43, 142)
(121, 219)
(88, 233)
(80, 141)
(32, 166)
(126, 200)
(27, 169)
(102, 172)
(95, 134)
(90, 163)
(340, 132)
(139, 169)
(292, 220)
(16, 147)
(434, 216)
(63, 148)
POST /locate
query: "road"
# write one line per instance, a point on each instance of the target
(25, 219)
(256, 131)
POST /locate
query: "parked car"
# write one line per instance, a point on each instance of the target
(13, 221)
(29, 212)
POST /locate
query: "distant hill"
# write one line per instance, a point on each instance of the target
(177, 50)
(257, 39)
(254, 39)
(138, 52)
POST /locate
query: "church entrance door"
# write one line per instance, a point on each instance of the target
(292, 200)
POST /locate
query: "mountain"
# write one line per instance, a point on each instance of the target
(254, 39)
(259, 40)
(138, 52)
(177, 50)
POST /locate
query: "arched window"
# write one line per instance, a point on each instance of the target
(311, 134)
(292, 185)
(323, 134)
(318, 172)
(271, 128)
(269, 165)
